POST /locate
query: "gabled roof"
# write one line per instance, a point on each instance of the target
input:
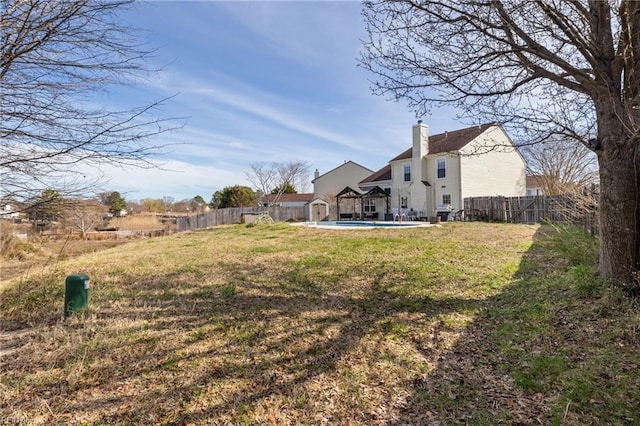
(382, 174)
(348, 192)
(318, 201)
(449, 141)
(346, 163)
(376, 192)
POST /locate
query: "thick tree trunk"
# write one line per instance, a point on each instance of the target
(619, 207)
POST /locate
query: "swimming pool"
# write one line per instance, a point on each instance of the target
(352, 224)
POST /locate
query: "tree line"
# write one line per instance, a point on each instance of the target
(272, 178)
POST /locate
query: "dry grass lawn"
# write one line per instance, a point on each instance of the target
(468, 323)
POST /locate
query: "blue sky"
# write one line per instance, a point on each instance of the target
(259, 81)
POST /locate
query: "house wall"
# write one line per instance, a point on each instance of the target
(329, 184)
(399, 187)
(491, 172)
(417, 193)
(450, 184)
(292, 203)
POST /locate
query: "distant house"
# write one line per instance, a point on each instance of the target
(326, 186)
(8, 212)
(534, 185)
(437, 172)
(287, 200)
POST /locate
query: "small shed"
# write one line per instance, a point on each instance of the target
(318, 210)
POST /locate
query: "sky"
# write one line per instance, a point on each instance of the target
(262, 81)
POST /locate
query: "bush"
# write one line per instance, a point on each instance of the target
(11, 247)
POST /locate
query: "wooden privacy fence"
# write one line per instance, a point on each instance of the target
(533, 209)
(234, 215)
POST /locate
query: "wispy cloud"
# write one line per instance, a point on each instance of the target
(260, 81)
(171, 178)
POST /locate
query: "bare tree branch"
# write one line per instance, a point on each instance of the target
(54, 58)
(548, 70)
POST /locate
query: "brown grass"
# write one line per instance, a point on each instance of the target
(463, 324)
(137, 222)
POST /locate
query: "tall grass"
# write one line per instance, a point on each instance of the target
(12, 247)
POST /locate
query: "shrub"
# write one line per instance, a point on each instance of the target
(11, 247)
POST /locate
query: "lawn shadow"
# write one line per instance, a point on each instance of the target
(173, 337)
(510, 365)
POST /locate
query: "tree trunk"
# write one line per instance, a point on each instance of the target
(619, 207)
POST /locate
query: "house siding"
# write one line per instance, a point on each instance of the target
(500, 171)
(348, 174)
(450, 184)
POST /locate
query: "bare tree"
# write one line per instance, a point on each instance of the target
(83, 215)
(269, 176)
(54, 57)
(294, 173)
(561, 167)
(544, 68)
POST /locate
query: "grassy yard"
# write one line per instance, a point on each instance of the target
(468, 323)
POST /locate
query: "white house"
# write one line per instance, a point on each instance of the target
(8, 212)
(438, 172)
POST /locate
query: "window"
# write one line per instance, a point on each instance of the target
(369, 205)
(446, 199)
(404, 202)
(407, 172)
(442, 168)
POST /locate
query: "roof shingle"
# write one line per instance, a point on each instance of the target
(449, 141)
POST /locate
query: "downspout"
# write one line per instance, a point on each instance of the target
(460, 198)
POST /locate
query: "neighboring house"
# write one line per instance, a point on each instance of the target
(287, 200)
(534, 185)
(8, 212)
(435, 175)
(327, 185)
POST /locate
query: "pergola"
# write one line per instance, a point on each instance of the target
(357, 197)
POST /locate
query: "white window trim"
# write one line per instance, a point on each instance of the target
(445, 167)
(404, 202)
(369, 205)
(404, 167)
